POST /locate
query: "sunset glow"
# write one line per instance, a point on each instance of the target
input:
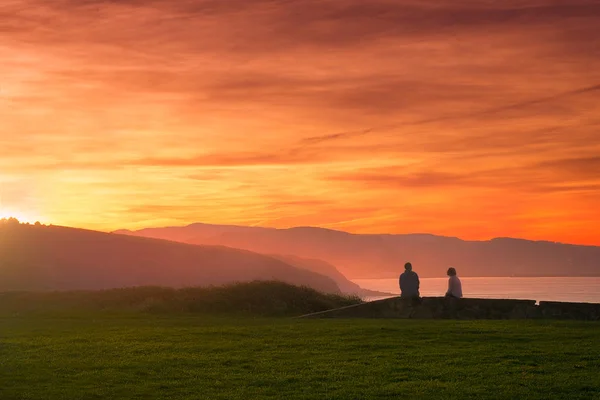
(22, 217)
(463, 118)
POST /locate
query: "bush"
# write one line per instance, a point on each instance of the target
(259, 298)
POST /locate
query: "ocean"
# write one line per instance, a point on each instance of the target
(586, 290)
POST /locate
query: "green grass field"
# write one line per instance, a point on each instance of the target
(104, 355)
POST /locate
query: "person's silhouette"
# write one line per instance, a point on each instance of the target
(409, 283)
(454, 284)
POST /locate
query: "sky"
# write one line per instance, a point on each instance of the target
(466, 118)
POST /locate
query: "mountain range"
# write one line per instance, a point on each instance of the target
(34, 258)
(39, 258)
(363, 256)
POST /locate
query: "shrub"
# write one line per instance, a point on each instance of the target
(259, 298)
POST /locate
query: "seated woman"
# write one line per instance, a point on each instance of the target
(454, 285)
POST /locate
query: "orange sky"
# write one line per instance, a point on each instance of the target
(459, 117)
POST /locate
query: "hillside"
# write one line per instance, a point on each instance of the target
(382, 256)
(58, 258)
(325, 268)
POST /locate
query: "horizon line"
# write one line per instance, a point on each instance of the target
(353, 233)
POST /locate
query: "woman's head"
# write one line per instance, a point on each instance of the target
(451, 271)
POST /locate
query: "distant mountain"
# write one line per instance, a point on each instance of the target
(192, 233)
(59, 258)
(383, 256)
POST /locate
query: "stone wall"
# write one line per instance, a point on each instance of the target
(448, 308)
(560, 310)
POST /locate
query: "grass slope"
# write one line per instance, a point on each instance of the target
(142, 356)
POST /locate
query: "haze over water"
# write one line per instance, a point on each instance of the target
(585, 290)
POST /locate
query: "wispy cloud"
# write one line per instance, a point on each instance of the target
(308, 112)
(496, 110)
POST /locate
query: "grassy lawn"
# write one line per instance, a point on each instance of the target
(140, 356)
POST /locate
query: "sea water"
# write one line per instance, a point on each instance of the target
(585, 290)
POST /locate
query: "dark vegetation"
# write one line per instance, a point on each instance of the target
(190, 356)
(257, 298)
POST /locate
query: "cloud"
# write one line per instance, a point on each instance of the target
(419, 179)
(229, 160)
(335, 136)
(497, 110)
(302, 111)
(576, 167)
(561, 175)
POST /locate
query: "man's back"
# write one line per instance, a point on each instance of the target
(409, 284)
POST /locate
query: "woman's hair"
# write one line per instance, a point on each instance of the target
(451, 271)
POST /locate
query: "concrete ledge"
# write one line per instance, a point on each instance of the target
(449, 308)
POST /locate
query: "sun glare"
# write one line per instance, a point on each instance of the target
(21, 216)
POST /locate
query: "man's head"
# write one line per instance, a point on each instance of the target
(451, 271)
(408, 266)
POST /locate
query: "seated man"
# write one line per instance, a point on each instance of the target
(409, 283)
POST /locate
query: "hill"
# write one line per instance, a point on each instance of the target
(58, 258)
(382, 256)
(327, 269)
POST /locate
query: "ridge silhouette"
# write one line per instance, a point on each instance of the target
(36, 258)
(381, 256)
